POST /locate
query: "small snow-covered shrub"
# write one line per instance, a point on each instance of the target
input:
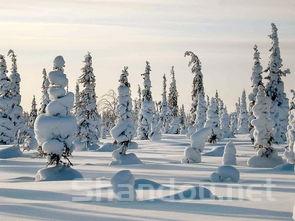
(229, 155)
(226, 174)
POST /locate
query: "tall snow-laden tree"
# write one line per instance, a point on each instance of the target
(147, 106)
(173, 94)
(256, 80)
(7, 128)
(212, 121)
(263, 133)
(201, 112)
(198, 86)
(44, 90)
(275, 89)
(183, 120)
(55, 130)
(17, 111)
(33, 113)
(165, 112)
(225, 124)
(243, 127)
(88, 116)
(124, 129)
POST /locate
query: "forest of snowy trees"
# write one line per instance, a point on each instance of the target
(64, 121)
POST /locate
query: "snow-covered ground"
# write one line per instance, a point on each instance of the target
(261, 194)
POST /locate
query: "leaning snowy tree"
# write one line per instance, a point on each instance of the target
(16, 114)
(124, 130)
(173, 94)
(88, 117)
(198, 86)
(44, 90)
(55, 130)
(266, 156)
(212, 121)
(147, 106)
(243, 126)
(256, 80)
(165, 112)
(7, 129)
(275, 89)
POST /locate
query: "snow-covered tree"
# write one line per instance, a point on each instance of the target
(44, 90)
(155, 134)
(229, 155)
(173, 94)
(55, 130)
(147, 106)
(16, 114)
(7, 128)
(263, 133)
(33, 113)
(212, 121)
(290, 150)
(165, 112)
(88, 117)
(275, 89)
(77, 102)
(198, 86)
(225, 124)
(243, 126)
(183, 120)
(201, 112)
(233, 122)
(137, 104)
(124, 129)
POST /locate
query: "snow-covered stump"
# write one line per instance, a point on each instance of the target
(123, 131)
(123, 186)
(192, 154)
(225, 174)
(55, 130)
(229, 155)
(266, 155)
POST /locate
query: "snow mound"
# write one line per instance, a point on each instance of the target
(286, 167)
(265, 162)
(229, 155)
(124, 159)
(215, 152)
(57, 173)
(148, 184)
(10, 152)
(123, 186)
(226, 174)
(194, 193)
(191, 155)
(108, 147)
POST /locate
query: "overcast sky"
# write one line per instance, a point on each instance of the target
(129, 32)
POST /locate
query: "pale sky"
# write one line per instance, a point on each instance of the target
(129, 32)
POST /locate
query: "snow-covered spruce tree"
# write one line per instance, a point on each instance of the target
(225, 124)
(137, 105)
(263, 130)
(33, 113)
(256, 80)
(212, 121)
(88, 117)
(275, 89)
(233, 123)
(77, 102)
(44, 90)
(165, 113)
(124, 130)
(290, 150)
(198, 86)
(7, 129)
(55, 130)
(147, 106)
(16, 114)
(183, 120)
(201, 112)
(155, 134)
(243, 126)
(173, 94)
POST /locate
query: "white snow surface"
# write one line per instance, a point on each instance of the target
(24, 199)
